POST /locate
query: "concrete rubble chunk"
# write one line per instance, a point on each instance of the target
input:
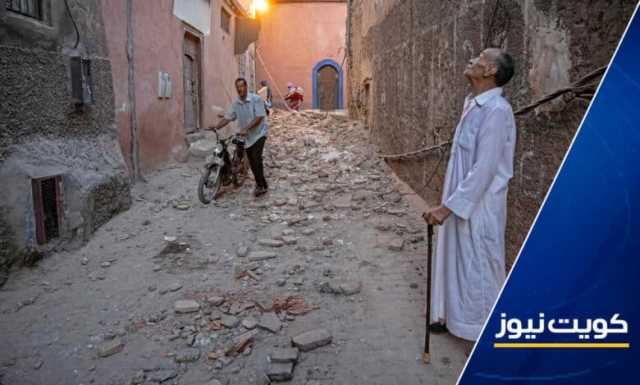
(350, 288)
(285, 355)
(312, 339)
(160, 376)
(270, 322)
(308, 231)
(229, 321)
(184, 306)
(264, 302)
(239, 343)
(110, 348)
(270, 242)
(242, 251)
(346, 288)
(138, 378)
(188, 355)
(261, 255)
(215, 300)
(288, 240)
(239, 307)
(280, 371)
(175, 287)
(249, 323)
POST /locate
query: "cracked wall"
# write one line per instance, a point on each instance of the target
(42, 133)
(406, 59)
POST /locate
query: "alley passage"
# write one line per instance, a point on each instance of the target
(176, 292)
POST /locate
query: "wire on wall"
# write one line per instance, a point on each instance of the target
(75, 26)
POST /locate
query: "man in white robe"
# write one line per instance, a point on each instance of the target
(469, 264)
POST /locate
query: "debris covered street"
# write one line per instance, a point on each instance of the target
(320, 281)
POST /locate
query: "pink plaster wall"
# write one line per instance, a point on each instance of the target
(294, 37)
(159, 38)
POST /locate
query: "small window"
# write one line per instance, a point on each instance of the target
(225, 20)
(30, 8)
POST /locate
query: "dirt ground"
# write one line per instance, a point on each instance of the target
(342, 250)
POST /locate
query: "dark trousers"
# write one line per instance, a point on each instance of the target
(254, 153)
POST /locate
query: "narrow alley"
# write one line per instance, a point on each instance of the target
(359, 114)
(334, 246)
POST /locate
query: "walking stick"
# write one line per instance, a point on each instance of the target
(426, 356)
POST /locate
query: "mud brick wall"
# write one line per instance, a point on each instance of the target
(412, 54)
(42, 133)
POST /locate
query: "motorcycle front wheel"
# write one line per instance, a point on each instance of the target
(209, 184)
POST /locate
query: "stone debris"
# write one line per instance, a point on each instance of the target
(249, 323)
(280, 371)
(239, 343)
(261, 255)
(187, 355)
(340, 288)
(285, 355)
(292, 304)
(308, 231)
(229, 321)
(110, 347)
(270, 242)
(270, 322)
(163, 375)
(215, 300)
(138, 378)
(184, 306)
(296, 231)
(312, 340)
(175, 287)
(242, 251)
(288, 240)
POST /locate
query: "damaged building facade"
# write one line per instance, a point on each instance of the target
(62, 173)
(97, 93)
(174, 64)
(406, 59)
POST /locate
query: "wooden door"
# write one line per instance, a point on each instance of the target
(191, 75)
(328, 88)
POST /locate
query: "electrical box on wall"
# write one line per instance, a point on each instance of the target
(164, 85)
(81, 84)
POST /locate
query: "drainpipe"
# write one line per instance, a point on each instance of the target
(133, 121)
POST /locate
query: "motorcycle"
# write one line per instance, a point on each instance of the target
(223, 167)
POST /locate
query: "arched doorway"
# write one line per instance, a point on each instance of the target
(327, 86)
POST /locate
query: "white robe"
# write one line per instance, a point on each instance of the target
(469, 264)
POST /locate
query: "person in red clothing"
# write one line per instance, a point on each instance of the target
(294, 97)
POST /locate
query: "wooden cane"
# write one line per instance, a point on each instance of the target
(426, 356)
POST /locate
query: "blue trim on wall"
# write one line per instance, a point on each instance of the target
(314, 81)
